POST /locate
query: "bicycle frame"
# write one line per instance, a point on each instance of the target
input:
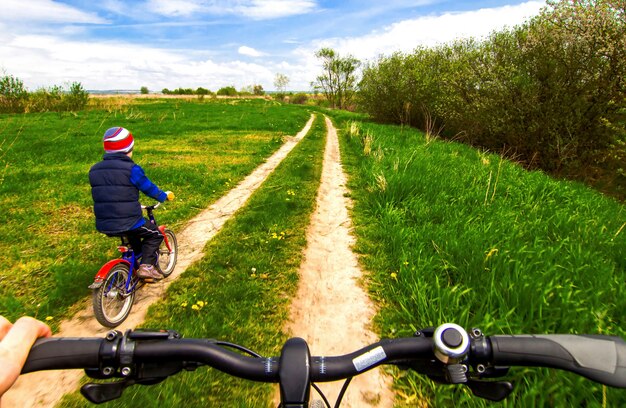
(128, 257)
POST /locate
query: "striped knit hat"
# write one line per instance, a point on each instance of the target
(118, 140)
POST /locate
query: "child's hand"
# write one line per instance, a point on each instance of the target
(170, 195)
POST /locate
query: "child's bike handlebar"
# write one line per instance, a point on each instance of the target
(447, 354)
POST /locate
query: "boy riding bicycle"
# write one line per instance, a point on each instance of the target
(115, 185)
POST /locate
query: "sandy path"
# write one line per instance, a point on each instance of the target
(45, 389)
(331, 311)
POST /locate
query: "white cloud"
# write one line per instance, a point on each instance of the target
(116, 6)
(268, 9)
(42, 61)
(254, 9)
(174, 8)
(406, 35)
(44, 10)
(45, 60)
(250, 52)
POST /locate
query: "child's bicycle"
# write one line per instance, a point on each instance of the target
(116, 283)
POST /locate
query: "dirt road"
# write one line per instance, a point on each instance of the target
(331, 310)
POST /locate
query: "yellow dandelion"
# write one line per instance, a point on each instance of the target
(48, 318)
(200, 303)
(195, 307)
(394, 275)
(184, 304)
(492, 252)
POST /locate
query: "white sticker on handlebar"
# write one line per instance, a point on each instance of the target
(369, 359)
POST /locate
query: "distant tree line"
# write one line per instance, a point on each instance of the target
(224, 91)
(551, 92)
(15, 98)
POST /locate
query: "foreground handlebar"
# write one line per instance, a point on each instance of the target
(447, 354)
(68, 353)
(598, 358)
(63, 353)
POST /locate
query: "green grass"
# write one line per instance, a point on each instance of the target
(450, 234)
(50, 248)
(238, 304)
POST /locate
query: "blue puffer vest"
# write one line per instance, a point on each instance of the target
(116, 199)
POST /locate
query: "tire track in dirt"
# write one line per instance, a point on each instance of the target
(331, 310)
(46, 388)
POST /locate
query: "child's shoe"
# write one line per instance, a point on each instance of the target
(148, 273)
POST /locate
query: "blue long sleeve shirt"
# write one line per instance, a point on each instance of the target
(142, 182)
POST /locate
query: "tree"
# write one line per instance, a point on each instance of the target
(144, 90)
(258, 90)
(338, 82)
(280, 82)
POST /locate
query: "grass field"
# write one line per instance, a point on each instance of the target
(50, 248)
(452, 234)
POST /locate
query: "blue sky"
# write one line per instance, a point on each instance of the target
(115, 44)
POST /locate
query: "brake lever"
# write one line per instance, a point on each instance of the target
(118, 351)
(491, 390)
(104, 392)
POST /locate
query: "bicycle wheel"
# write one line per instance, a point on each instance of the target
(111, 302)
(167, 257)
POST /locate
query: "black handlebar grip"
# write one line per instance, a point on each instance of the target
(63, 353)
(598, 358)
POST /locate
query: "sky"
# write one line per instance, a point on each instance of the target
(115, 44)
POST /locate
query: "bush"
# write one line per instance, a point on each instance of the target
(14, 98)
(227, 91)
(299, 98)
(279, 96)
(13, 95)
(549, 92)
(45, 100)
(76, 98)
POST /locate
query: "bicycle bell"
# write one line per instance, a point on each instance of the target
(451, 343)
